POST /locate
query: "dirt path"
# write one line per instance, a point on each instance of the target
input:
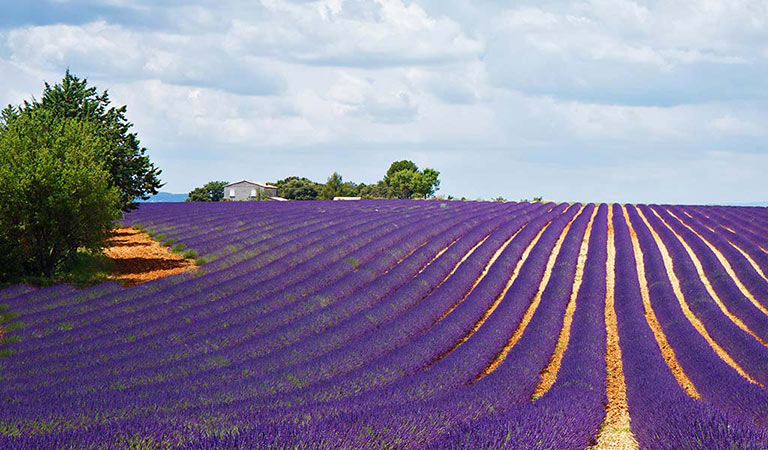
(521, 327)
(616, 431)
(676, 287)
(138, 258)
(726, 265)
(650, 316)
(549, 374)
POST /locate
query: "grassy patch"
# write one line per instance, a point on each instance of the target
(355, 263)
(87, 269)
(8, 316)
(190, 254)
(200, 261)
(10, 340)
(83, 270)
(13, 326)
(178, 248)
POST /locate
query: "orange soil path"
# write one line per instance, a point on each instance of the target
(616, 432)
(549, 374)
(727, 266)
(496, 302)
(708, 284)
(650, 316)
(521, 327)
(137, 258)
(697, 324)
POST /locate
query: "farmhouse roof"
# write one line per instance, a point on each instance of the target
(257, 183)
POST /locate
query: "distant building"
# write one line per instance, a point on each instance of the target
(249, 190)
(347, 198)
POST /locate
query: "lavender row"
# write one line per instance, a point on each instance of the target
(745, 350)
(360, 233)
(716, 381)
(418, 285)
(722, 283)
(569, 414)
(737, 239)
(752, 280)
(241, 322)
(663, 416)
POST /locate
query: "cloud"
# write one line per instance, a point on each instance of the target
(106, 50)
(591, 100)
(354, 33)
(360, 97)
(625, 52)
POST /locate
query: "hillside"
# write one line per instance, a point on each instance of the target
(166, 197)
(407, 324)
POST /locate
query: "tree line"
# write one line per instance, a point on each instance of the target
(403, 180)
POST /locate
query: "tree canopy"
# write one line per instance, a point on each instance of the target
(127, 162)
(295, 188)
(212, 191)
(55, 194)
(405, 180)
(333, 187)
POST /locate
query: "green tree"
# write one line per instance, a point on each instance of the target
(130, 169)
(212, 191)
(397, 166)
(404, 183)
(404, 180)
(429, 183)
(298, 189)
(55, 191)
(333, 187)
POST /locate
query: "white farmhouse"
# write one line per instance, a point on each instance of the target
(249, 190)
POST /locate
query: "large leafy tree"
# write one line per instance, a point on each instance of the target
(55, 192)
(398, 166)
(298, 189)
(212, 191)
(128, 163)
(405, 180)
(333, 187)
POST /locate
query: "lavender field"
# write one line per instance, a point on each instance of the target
(406, 324)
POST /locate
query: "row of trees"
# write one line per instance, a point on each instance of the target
(403, 180)
(69, 167)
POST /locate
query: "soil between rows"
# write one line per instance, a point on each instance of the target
(137, 258)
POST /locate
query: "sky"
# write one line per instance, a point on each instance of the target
(596, 100)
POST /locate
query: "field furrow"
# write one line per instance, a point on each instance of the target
(406, 325)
